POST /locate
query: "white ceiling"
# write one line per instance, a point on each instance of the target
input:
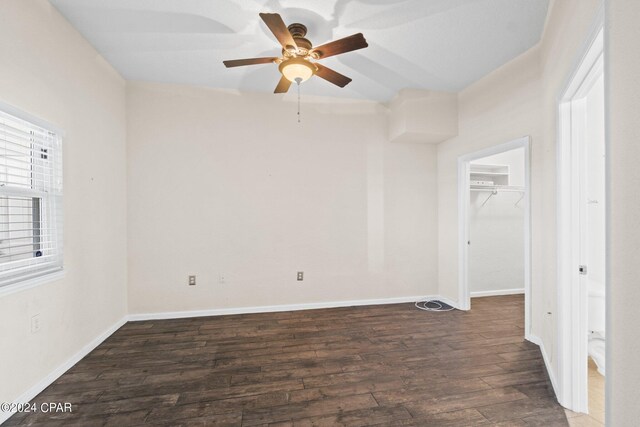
(429, 44)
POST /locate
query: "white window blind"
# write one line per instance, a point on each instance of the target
(30, 200)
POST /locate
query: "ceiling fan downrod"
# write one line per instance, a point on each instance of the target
(298, 81)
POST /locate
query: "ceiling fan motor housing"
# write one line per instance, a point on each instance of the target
(298, 31)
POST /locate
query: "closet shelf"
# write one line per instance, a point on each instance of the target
(497, 188)
(482, 176)
(490, 173)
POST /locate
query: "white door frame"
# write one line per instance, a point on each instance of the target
(464, 196)
(572, 335)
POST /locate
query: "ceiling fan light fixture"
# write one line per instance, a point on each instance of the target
(297, 68)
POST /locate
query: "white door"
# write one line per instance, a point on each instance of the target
(581, 222)
(592, 196)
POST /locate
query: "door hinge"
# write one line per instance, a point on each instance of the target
(582, 269)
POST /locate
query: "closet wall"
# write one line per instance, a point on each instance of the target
(496, 228)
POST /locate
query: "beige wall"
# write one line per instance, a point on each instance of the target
(49, 71)
(227, 184)
(623, 132)
(499, 108)
(519, 99)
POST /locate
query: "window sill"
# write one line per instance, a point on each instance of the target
(31, 283)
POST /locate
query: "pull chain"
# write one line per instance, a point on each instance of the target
(298, 80)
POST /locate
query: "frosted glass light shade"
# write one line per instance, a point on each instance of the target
(297, 68)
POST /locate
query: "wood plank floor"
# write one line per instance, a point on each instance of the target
(356, 366)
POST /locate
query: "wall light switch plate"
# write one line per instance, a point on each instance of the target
(35, 323)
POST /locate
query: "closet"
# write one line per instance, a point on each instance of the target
(496, 224)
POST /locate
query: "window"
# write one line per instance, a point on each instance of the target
(30, 200)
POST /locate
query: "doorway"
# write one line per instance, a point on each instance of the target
(581, 236)
(489, 177)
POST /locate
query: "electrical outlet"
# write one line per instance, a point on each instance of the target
(300, 276)
(192, 280)
(35, 323)
(221, 279)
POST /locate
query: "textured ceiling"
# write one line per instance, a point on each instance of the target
(429, 44)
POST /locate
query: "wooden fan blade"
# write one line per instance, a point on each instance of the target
(283, 85)
(347, 44)
(279, 29)
(332, 76)
(248, 61)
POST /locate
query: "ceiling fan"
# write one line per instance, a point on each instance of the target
(298, 54)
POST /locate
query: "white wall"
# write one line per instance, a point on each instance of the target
(496, 231)
(48, 70)
(227, 184)
(623, 133)
(518, 99)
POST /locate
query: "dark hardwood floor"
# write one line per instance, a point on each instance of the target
(356, 366)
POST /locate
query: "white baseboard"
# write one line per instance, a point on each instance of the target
(276, 308)
(497, 293)
(538, 341)
(28, 395)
